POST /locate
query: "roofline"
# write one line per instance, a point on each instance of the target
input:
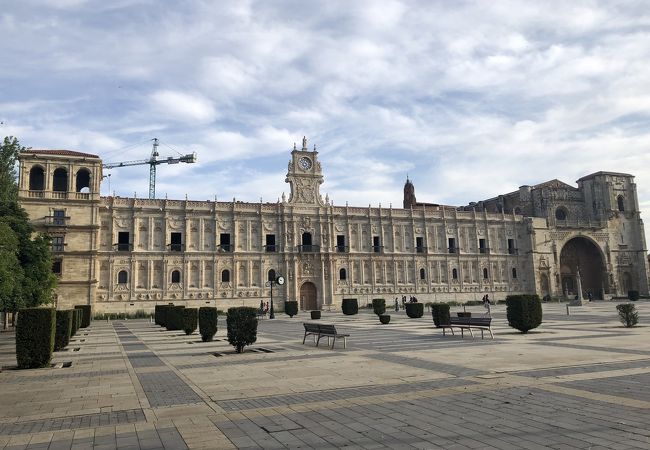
(595, 174)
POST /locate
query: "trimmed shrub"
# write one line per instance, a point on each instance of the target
(414, 310)
(315, 315)
(242, 327)
(349, 306)
(158, 315)
(190, 320)
(384, 318)
(440, 313)
(35, 332)
(633, 295)
(174, 319)
(76, 321)
(379, 306)
(291, 308)
(86, 315)
(207, 322)
(627, 314)
(63, 329)
(524, 312)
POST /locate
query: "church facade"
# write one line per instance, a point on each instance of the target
(124, 254)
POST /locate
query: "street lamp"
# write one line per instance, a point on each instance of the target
(279, 280)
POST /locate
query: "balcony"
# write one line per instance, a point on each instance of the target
(122, 247)
(59, 194)
(453, 249)
(484, 250)
(270, 248)
(342, 249)
(308, 248)
(378, 249)
(421, 249)
(513, 251)
(176, 247)
(225, 248)
(56, 221)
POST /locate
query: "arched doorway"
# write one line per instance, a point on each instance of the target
(308, 296)
(582, 253)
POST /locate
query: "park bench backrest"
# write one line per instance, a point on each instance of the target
(312, 327)
(327, 329)
(469, 321)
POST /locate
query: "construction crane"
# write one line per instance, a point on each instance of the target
(153, 161)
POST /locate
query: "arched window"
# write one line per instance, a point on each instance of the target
(514, 273)
(343, 274)
(225, 276)
(485, 273)
(423, 274)
(176, 276)
(621, 203)
(60, 180)
(271, 275)
(454, 274)
(36, 179)
(560, 214)
(83, 180)
(122, 277)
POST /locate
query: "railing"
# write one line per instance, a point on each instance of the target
(342, 249)
(59, 194)
(579, 223)
(308, 248)
(225, 248)
(270, 248)
(122, 247)
(484, 250)
(453, 249)
(421, 249)
(175, 247)
(56, 221)
(513, 251)
(82, 195)
(378, 249)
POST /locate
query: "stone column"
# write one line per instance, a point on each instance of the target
(580, 301)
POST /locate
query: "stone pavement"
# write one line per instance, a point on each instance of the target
(579, 381)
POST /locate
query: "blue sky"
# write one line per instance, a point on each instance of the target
(471, 99)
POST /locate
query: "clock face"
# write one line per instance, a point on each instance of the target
(305, 163)
(280, 280)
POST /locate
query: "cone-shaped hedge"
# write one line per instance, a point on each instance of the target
(35, 331)
(291, 308)
(86, 315)
(524, 312)
(415, 310)
(242, 327)
(190, 319)
(63, 329)
(207, 322)
(349, 306)
(440, 313)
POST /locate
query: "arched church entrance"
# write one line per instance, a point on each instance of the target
(581, 253)
(308, 296)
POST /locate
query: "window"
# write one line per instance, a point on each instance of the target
(340, 243)
(514, 273)
(481, 246)
(56, 267)
(122, 277)
(621, 203)
(176, 276)
(419, 244)
(224, 242)
(511, 247)
(560, 214)
(270, 243)
(454, 274)
(271, 275)
(58, 217)
(423, 274)
(83, 180)
(376, 244)
(36, 179)
(343, 274)
(60, 180)
(452, 245)
(485, 273)
(176, 242)
(225, 276)
(58, 243)
(123, 241)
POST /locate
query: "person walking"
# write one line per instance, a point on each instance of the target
(396, 305)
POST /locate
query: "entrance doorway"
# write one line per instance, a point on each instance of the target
(582, 253)
(308, 296)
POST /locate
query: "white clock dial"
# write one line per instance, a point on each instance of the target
(280, 280)
(305, 163)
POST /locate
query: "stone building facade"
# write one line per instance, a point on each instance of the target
(123, 254)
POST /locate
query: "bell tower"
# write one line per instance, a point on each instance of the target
(305, 176)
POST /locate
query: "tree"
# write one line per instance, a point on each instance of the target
(11, 273)
(8, 157)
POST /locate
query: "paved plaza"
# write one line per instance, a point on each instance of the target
(579, 381)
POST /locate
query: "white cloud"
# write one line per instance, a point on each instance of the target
(182, 107)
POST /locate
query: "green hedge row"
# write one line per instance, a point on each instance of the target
(190, 320)
(63, 329)
(174, 318)
(35, 333)
(208, 316)
(86, 315)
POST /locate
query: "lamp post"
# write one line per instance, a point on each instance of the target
(279, 280)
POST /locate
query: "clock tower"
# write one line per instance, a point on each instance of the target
(305, 176)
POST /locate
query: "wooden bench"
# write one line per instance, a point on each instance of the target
(467, 323)
(321, 330)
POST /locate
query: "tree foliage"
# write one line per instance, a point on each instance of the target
(26, 278)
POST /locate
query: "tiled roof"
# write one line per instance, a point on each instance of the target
(59, 152)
